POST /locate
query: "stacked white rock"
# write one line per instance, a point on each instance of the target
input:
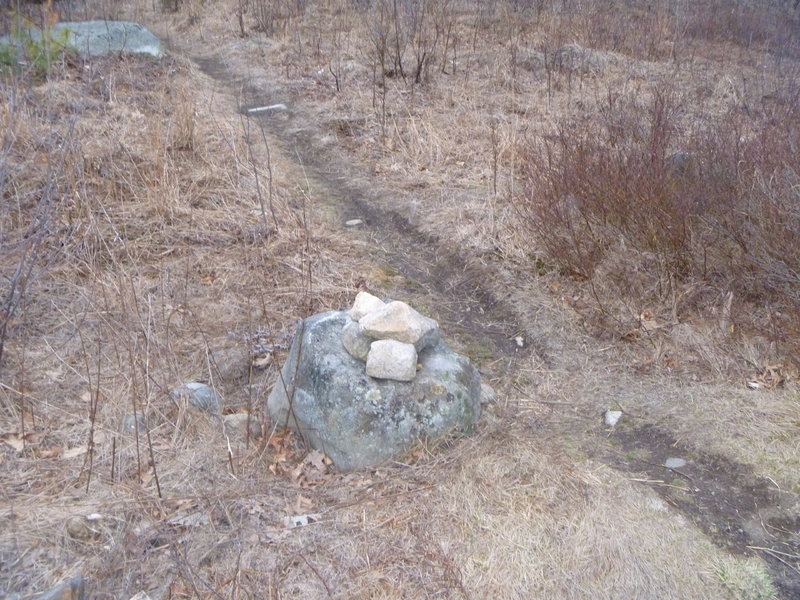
(387, 337)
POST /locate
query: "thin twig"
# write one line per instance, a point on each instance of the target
(659, 482)
(684, 475)
(254, 167)
(314, 570)
(113, 456)
(134, 394)
(269, 172)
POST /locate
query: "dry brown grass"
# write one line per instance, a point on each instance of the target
(160, 249)
(455, 148)
(154, 252)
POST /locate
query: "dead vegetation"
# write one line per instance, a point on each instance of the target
(627, 172)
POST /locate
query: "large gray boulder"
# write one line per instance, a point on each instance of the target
(361, 421)
(95, 38)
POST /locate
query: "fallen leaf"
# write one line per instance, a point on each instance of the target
(312, 471)
(75, 451)
(356, 480)
(578, 303)
(51, 452)
(179, 503)
(772, 376)
(281, 442)
(318, 460)
(298, 476)
(631, 335)
(14, 440)
(147, 477)
(272, 534)
(262, 362)
(301, 504)
(276, 467)
(648, 322)
(415, 454)
(55, 375)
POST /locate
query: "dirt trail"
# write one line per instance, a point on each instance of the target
(741, 512)
(459, 286)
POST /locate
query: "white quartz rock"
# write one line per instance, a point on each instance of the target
(365, 303)
(398, 321)
(390, 359)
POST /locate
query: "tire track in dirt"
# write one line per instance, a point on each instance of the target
(741, 512)
(464, 299)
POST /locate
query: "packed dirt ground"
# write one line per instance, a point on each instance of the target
(155, 232)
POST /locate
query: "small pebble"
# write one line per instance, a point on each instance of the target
(130, 423)
(82, 528)
(354, 222)
(674, 463)
(200, 396)
(488, 395)
(612, 417)
(236, 425)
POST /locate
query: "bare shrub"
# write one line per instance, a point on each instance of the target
(744, 23)
(765, 221)
(722, 210)
(590, 187)
(272, 17)
(409, 36)
(663, 30)
(34, 198)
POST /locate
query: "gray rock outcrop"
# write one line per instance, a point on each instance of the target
(95, 38)
(231, 365)
(357, 420)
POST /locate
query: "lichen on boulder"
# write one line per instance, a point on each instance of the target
(357, 420)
